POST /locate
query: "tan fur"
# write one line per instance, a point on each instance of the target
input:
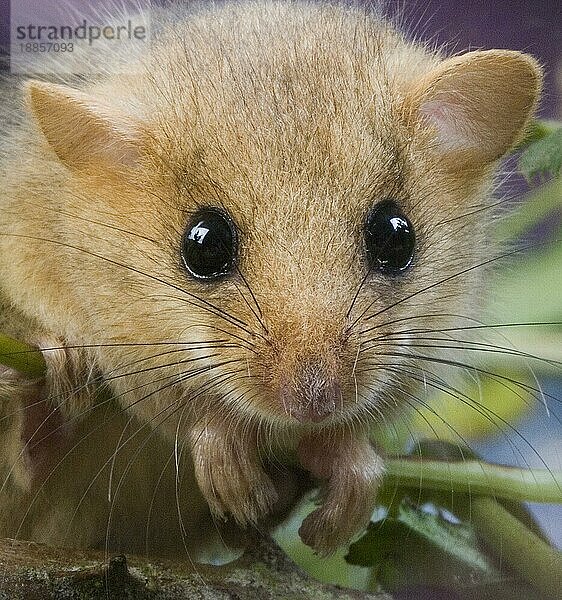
(296, 118)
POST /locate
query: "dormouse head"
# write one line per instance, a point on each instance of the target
(282, 201)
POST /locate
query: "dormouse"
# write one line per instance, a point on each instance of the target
(227, 253)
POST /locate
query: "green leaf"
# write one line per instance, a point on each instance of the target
(21, 356)
(529, 290)
(428, 538)
(484, 408)
(543, 157)
(401, 548)
(539, 129)
(541, 204)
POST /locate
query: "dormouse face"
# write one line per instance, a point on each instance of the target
(274, 230)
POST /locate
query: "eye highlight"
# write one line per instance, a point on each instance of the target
(208, 247)
(390, 238)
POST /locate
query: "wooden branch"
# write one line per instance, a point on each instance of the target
(35, 571)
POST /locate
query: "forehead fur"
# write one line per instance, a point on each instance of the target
(287, 115)
(267, 98)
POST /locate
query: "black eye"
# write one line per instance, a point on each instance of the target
(390, 238)
(209, 245)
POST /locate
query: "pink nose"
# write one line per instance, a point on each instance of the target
(312, 395)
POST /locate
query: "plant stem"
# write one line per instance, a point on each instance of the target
(21, 356)
(513, 544)
(478, 478)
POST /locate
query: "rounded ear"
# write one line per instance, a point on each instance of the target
(477, 106)
(85, 134)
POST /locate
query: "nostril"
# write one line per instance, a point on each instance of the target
(312, 394)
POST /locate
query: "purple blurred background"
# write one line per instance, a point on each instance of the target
(533, 26)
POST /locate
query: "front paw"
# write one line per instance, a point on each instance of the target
(349, 495)
(244, 492)
(231, 478)
(338, 519)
